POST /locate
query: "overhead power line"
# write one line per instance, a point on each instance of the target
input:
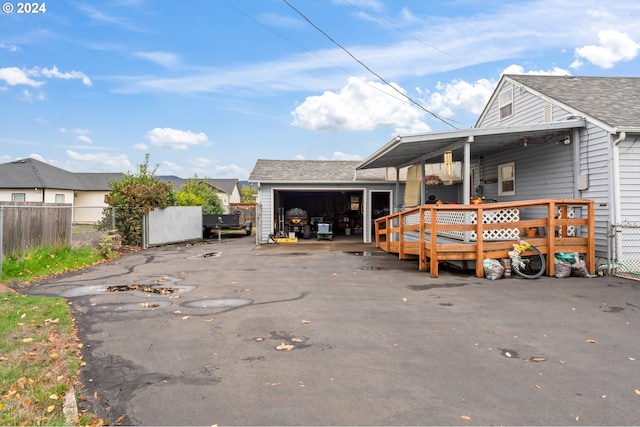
(404, 95)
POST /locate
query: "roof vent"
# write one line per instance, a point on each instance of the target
(547, 113)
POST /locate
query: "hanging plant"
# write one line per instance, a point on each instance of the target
(431, 180)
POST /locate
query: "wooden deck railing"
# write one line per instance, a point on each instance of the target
(440, 233)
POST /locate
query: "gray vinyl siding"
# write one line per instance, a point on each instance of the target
(595, 162)
(629, 151)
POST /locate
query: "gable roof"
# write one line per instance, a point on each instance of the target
(312, 171)
(32, 173)
(615, 101)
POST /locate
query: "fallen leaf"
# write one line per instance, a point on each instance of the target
(538, 387)
(632, 358)
(177, 312)
(54, 397)
(297, 340)
(95, 394)
(538, 359)
(209, 320)
(53, 355)
(284, 346)
(185, 317)
(306, 321)
(636, 391)
(465, 417)
(27, 340)
(592, 341)
(404, 300)
(26, 403)
(50, 408)
(23, 315)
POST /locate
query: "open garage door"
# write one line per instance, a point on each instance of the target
(343, 209)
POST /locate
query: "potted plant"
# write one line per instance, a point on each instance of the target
(531, 231)
(431, 180)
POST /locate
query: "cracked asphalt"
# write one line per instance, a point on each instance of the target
(328, 334)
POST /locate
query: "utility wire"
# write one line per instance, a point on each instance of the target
(382, 21)
(367, 68)
(312, 52)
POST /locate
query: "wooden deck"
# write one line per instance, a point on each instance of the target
(563, 225)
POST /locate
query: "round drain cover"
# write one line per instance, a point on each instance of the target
(218, 303)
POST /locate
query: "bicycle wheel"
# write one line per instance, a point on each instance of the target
(533, 264)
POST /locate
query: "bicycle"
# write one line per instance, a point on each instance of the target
(527, 261)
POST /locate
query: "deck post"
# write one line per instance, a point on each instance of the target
(551, 238)
(422, 258)
(433, 259)
(480, 242)
(591, 242)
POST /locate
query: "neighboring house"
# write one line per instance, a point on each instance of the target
(330, 189)
(543, 137)
(30, 180)
(227, 189)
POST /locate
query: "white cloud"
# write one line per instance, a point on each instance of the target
(360, 105)
(339, 155)
(14, 76)
(9, 47)
(55, 73)
(141, 146)
(97, 162)
(175, 139)
(614, 47)
(164, 59)
(84, 138)
(519, 69)
(459, 94)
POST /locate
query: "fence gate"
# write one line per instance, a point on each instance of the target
(624, 250)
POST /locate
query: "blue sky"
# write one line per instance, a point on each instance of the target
(207, 87)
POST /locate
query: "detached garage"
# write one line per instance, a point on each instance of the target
(330, 191)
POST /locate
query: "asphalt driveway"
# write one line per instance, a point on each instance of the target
(292, 334)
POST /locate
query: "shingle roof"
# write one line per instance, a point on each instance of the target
(329, 171)
(225, 185)
(612, 100)
(31, 173)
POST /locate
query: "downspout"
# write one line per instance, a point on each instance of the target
(617, 211)
(576, 163)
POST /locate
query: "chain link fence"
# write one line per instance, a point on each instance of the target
(624, 250)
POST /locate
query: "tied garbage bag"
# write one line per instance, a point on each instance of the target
(492, 269)
(563, 263)
(579, 268)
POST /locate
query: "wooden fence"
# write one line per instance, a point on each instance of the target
(32, 224)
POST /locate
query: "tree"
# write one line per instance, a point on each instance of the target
(133, 196)
(248, 194)
(199, 193)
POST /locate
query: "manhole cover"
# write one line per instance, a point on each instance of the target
(206, 255)
(218, 303)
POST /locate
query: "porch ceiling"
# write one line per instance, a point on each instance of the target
(407, 150)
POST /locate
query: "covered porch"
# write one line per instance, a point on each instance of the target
(453, 233)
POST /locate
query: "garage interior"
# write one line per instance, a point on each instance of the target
(343, 208)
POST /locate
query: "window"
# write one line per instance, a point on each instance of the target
(506, 104)
(18, 197)
(59, 198)
(507, 179)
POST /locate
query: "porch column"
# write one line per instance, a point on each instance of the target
(466, 171)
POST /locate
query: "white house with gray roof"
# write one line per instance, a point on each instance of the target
(543, 137)
(30, 180)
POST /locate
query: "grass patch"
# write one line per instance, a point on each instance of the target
(39, 353)
(39, 362)
(43, 262)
